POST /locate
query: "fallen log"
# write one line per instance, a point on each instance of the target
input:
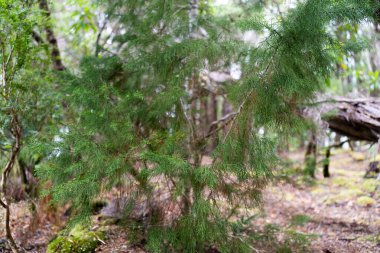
(358, 119)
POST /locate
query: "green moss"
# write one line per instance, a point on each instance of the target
(337, 151)
(318, 191)
(357, 156)
(365, 201)
(371, 238)
(370, 185)
(350, 181)
(79, 240)
(341, 181)
(330, 114)
(344, 196)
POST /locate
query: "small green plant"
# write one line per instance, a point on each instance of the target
(299, 220)
(276, 238)
(295, 241)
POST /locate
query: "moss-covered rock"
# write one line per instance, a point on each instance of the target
(79, 240)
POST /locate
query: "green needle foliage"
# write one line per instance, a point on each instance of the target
(133, 111)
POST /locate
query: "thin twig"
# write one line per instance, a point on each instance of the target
(224, 120)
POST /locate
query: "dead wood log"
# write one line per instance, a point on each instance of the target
(358, 119)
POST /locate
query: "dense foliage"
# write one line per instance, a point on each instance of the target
(132, 114)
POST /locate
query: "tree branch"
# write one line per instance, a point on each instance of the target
(224, 120)
(97, 46)
(38, 38)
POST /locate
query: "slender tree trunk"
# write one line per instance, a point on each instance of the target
(311, 156)
(51, 38)
(15, 129)
(227, 109)
(326, 165)
(16, 133)
(212, 116)
(192, 114)
(27, 185)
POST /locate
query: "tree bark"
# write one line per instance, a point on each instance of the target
(212, 116)
(191, 111)
(356, 119)
(311, 155)
(16, 130)
(51, 38)
(326, 165)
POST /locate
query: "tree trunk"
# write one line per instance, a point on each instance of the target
(16, 133)
(191, 112)
(326, 172)
(213, 116)
(311, 156)
(51, 38)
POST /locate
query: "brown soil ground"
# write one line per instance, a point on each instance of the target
(344, 211)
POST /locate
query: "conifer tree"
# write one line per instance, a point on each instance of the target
(136, 117)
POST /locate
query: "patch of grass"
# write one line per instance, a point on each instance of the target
(299, 220)
(297, 241)
(275, 238)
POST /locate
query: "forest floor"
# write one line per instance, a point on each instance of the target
(342, 212)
